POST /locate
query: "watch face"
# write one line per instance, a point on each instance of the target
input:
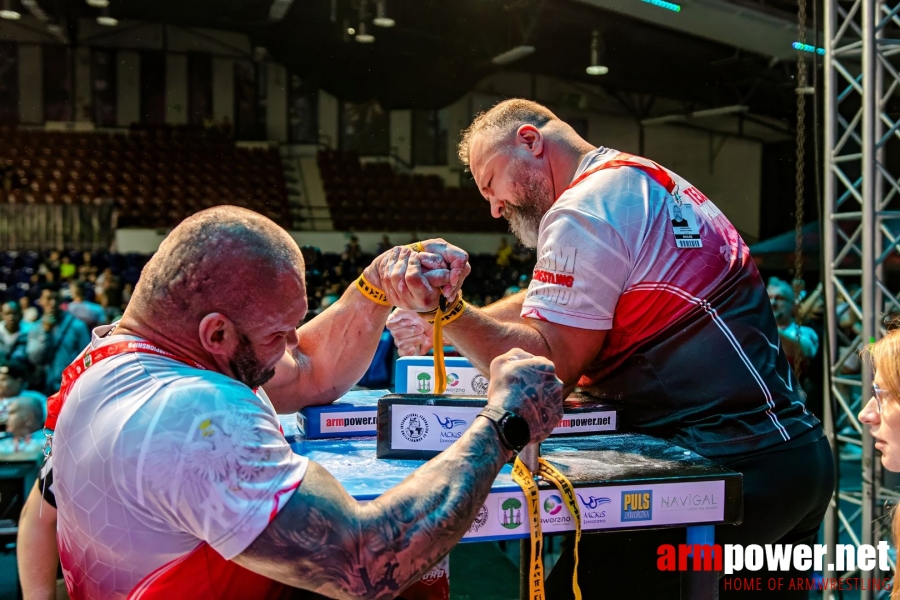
(516, 431)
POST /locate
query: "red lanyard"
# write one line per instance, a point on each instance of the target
(657, 173)
(87, 359)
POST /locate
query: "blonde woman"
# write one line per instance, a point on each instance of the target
(882, 412)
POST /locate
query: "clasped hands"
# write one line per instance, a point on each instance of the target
(416, 280)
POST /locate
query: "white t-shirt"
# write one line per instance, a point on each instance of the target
(163, 473)
(692, 352)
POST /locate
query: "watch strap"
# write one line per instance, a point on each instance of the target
(498, 416)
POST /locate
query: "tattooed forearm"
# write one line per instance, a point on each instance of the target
(325, 542)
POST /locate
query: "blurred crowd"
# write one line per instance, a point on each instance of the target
(494, 276)
(50, 302)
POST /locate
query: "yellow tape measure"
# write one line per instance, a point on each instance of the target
(523, 477)
(440, 369)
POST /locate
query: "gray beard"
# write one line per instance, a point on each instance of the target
(525, 228)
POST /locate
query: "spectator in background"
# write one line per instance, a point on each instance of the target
(13, 333)
(30, 313)
(521, 284)
(127, 290)
(55, 342)
(504, 252)
(87, 268)
(66, 269)
(24, 423)
(90, 313)
(800, 343)
(13, 384)
(384, 245)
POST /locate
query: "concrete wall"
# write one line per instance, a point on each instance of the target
(128, 85)
(84, 95)
(31, 85)
(328, 119)
(223, 88)
(276, 102)
(401, 134)
(176, 89)
(148, 240)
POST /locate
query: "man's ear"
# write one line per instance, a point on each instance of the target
(529, 137)
(217, 334)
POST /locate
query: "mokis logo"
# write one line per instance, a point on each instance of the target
(637, 505)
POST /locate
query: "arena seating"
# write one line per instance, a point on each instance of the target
(373, 197)
(155, 177)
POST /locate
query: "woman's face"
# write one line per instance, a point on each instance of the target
(884, 427)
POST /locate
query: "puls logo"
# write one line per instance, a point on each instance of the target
(414, 427)
(553, 505)
(637, 505)
(449, 423)
(480, 519)
(593, 501)
(480, 384)
(452, 379)
(424, 383)
(511, 513)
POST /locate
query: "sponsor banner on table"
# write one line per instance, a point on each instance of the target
(610, 507)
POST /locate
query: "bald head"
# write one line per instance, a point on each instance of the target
(224, 259)
(503, 120)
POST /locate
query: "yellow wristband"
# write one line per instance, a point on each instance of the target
(371, 292)
(416, 246)
(451, 314)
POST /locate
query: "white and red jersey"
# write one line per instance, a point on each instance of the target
(163, 472)
(692, 352)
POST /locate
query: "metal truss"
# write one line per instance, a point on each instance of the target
(862, 197)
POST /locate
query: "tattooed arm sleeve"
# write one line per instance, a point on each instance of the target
(323, 540)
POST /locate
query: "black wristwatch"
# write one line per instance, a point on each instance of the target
(513, 429)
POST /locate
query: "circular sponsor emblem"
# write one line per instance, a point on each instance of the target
(414, 427)
(480, 384)
(452, 379)
(480, 519)
(553, 505)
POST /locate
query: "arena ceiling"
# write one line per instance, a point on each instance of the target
(439, 49)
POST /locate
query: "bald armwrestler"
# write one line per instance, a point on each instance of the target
(676, 332)
(171, 477)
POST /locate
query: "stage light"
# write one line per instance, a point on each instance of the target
(98, 3)
(666, 5)
(808, 48)
(595, 68)
(512, 55)
(362, 37)
(8, 12)
(381, 19)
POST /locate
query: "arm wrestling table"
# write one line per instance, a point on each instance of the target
(623, 481)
